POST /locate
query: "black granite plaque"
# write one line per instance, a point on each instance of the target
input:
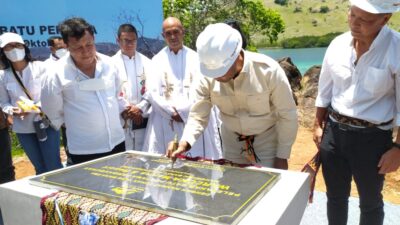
(200, 192)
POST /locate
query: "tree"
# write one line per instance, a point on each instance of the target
(197, 14)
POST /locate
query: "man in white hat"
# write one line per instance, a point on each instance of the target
(258, 113)
(358, 104)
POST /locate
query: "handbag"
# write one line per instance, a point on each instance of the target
(41, 124)
(140, 126)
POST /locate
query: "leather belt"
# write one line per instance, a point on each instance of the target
(354, 121)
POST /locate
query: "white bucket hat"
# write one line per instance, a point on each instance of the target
(9, 37)
(218, 46)
(377, 6)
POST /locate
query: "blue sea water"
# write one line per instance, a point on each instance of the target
(303, 58)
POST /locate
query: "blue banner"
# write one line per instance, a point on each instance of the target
(37, 20)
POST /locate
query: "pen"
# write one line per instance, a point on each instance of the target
(174, 148)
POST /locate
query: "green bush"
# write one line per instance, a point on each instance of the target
(16, 148)
(281, 2)
(309, 41)
(324, 9)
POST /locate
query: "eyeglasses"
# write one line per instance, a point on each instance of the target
(10, 46)
(128, 42)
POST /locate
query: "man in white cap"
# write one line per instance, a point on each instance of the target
(258, 113)
(358, 104)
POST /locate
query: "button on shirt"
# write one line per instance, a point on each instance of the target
(366, 90)
(11, 91)
(91, 116)
(259, 98)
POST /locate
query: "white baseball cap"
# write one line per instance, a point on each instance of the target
(218, 46)
(9, 37)
(377, 6)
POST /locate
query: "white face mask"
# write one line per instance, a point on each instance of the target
(61, 52)
(15, 54)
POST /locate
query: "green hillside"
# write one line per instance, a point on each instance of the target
(304, 17)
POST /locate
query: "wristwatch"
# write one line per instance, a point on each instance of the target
(397, 145)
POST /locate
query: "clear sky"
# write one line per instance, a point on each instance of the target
(37, 19)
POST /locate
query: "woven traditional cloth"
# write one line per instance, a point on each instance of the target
(71, 205)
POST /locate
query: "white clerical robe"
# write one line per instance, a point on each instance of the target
(171, 87)
(133, 72)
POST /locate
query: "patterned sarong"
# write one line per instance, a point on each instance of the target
(70, 206)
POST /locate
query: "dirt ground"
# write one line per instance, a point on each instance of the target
(303, 150)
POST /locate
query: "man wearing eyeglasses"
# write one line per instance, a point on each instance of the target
(175, 73)
(133, 68)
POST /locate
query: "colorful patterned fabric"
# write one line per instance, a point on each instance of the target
(70, 206)
(312, 167)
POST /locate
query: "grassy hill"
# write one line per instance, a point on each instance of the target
(303, 17)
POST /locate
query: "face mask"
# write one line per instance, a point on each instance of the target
(94, 84)
(15, 54)
(61, 52)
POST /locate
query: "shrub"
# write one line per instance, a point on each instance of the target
(297, 9)
(281, 2)
(324, 9)
(309, 41)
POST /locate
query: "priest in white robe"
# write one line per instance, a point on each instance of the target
(175, 74)
(133, 68)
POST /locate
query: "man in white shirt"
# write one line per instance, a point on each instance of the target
(253, 95)
(58, 49)
(358, 104)
(175, 72)
(134, 68)
(83, 93)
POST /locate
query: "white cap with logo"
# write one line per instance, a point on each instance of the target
(9, 37)
(218, 47)
(377, 6)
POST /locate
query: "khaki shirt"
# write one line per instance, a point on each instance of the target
(259, 98)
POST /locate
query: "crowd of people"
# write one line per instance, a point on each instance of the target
(221, 102)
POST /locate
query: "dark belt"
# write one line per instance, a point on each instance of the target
(354, 121)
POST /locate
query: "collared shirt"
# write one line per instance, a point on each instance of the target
(11, 91)
(51, 59)
(91, 116)
(366, 90)
(259, 98)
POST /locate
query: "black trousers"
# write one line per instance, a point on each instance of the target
(346, 153)
(6, 166)
(76, 159)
